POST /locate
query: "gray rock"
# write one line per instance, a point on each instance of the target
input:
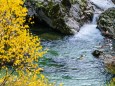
(62, 15)
(106, 23)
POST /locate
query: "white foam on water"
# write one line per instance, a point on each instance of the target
(88, 32)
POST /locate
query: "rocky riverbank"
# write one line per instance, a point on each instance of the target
(106, 24)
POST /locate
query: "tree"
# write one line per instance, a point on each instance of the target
(19, 49)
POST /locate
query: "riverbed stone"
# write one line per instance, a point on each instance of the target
(97, 53)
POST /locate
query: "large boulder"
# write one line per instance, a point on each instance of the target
(65, 16)
(106, 23)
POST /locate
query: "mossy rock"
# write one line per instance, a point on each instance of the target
(62, 15)
(106, 22)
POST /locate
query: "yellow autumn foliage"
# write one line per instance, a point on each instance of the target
(28, 79)
(19, 49)
(17, 46)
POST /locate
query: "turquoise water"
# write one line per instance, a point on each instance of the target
(69, 60)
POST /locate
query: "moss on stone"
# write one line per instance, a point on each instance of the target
(106, 21)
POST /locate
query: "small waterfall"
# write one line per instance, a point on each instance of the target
(89, 32)
(95, 16)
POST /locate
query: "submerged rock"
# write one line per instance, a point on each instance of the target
(106, 23)
(62, 15)
(97, 53)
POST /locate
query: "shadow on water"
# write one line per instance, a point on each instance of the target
(45, 32)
